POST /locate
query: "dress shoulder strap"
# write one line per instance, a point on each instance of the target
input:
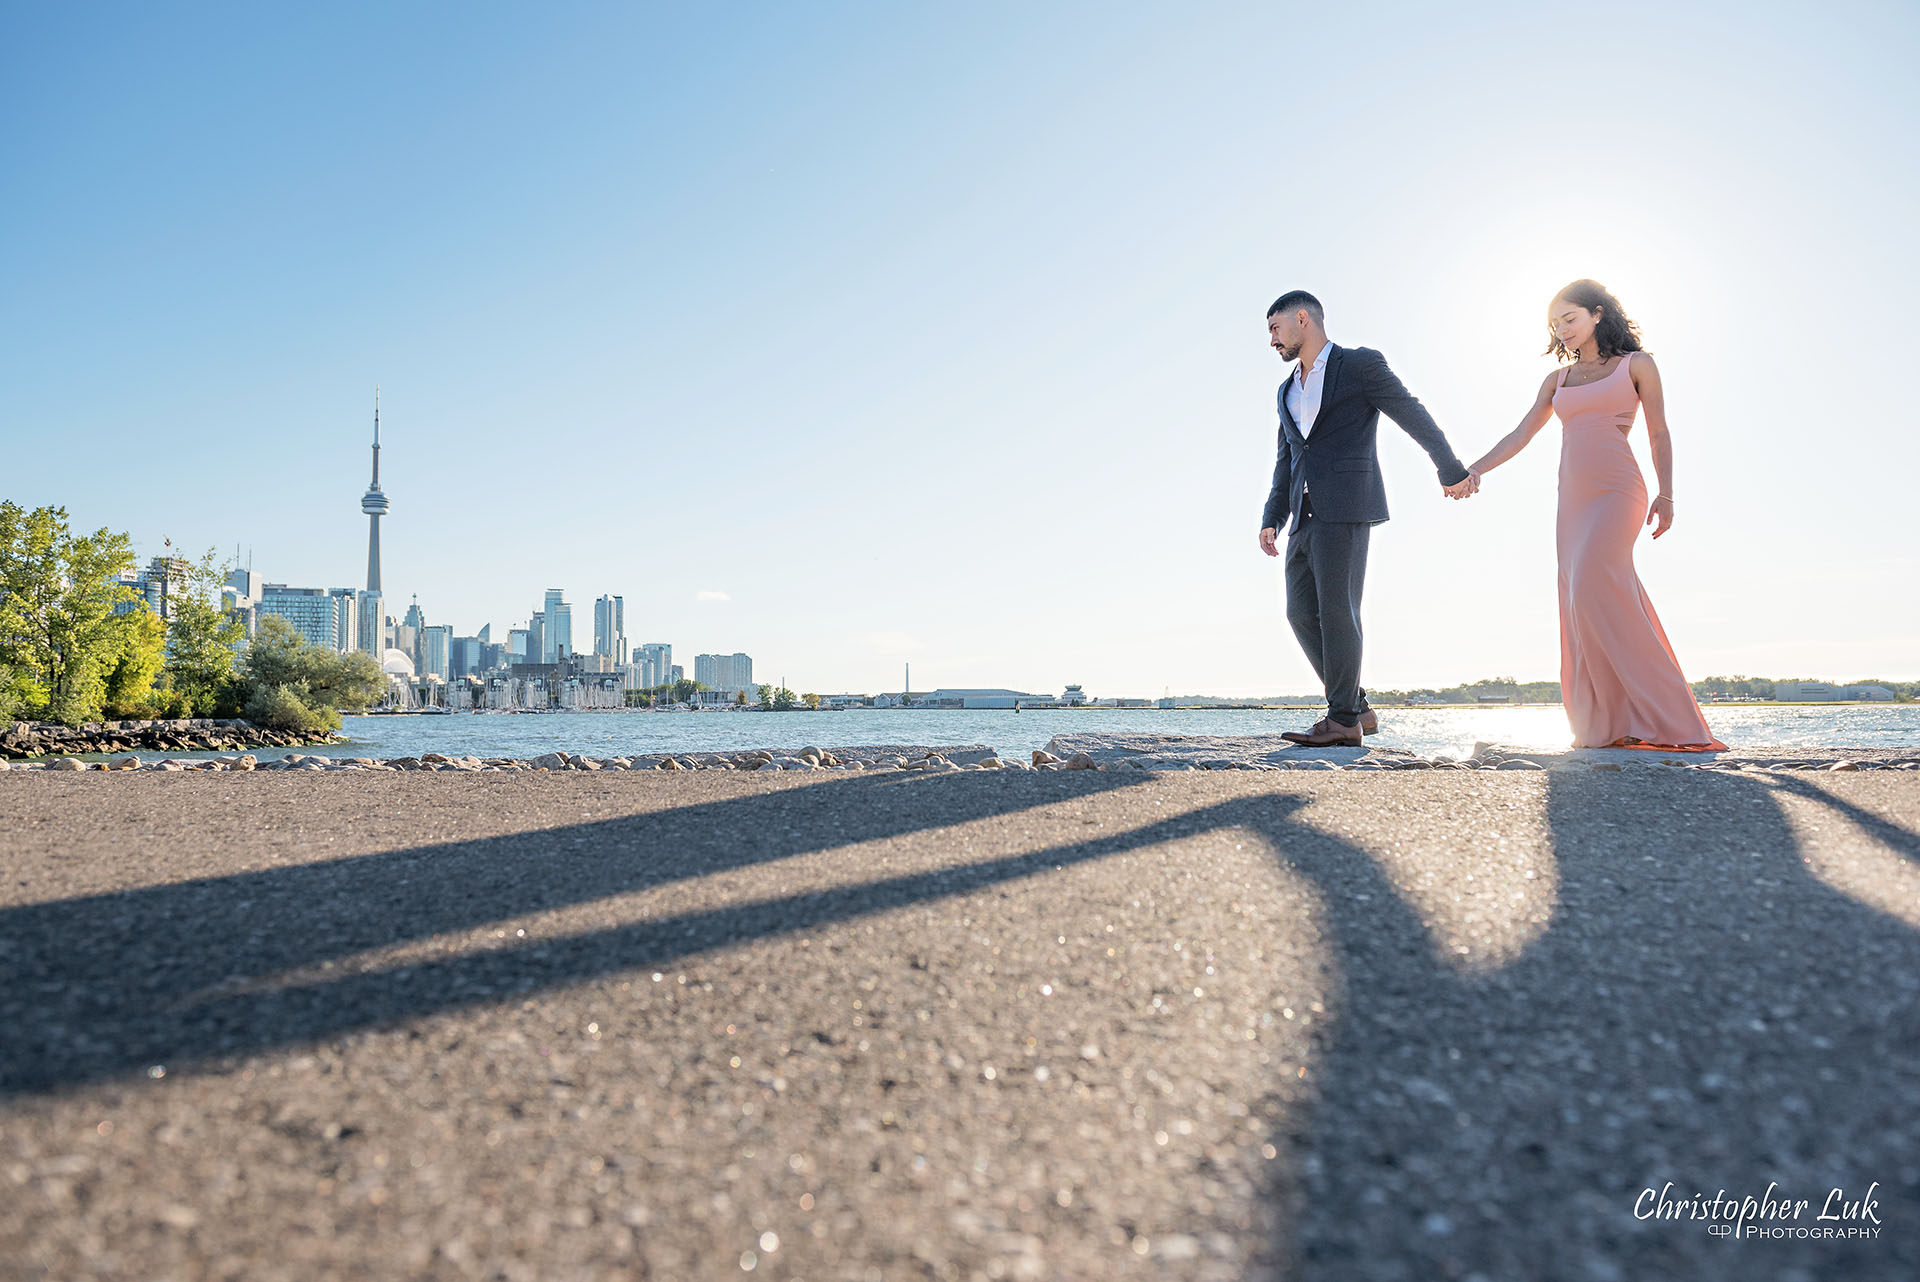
(1560, 379)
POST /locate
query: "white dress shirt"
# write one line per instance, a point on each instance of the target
(1304, 389)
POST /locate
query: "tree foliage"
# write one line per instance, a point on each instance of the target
(287, 708)
(287, 683)
(59, 637)
(140, 652)
(202, 638)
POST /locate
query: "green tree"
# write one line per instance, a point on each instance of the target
(287, 708)
(812, 701)
(739, 698)
(350, 682)
(141, 652)
(58, 594)
(281, 665)
(765, 693)
(784, 700)
(685, 688)
(9, 697)
(202, 638)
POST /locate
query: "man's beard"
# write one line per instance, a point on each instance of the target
(1291, 353)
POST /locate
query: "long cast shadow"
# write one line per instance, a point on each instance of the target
(103, 984)
(1700, 1011)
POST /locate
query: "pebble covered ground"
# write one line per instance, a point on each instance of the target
(837, 1022)
(1066, 752)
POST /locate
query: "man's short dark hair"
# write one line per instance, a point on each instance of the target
(1293, 300)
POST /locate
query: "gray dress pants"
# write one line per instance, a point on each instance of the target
(1326, 570)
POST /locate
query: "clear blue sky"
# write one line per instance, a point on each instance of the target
(851, 335)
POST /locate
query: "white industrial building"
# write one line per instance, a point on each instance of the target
(1825, 692)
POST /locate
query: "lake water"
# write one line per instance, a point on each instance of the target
(1426, 731)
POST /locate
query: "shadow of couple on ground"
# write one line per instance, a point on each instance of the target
(1698, 1009)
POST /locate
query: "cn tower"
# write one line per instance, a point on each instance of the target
(374, 504)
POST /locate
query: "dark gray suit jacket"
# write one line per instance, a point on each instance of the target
(1338, 459)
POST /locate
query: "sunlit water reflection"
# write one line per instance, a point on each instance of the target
(1426, 731)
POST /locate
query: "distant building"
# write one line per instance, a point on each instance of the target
(309, 610)
(982, 699)
(676, 674)
(163, 578)
(517, 644)
(610, 628)
(246, 585)
(346, 619)
(537, 638)
(1873, 694)
(1073, 696)
(654, 661)
(1808, 692)
(845, 700)
(371, 636)
(728, 672)
(557, 639)
(436, 647)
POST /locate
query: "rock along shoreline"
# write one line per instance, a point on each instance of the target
(1110, 753)
(31, 739)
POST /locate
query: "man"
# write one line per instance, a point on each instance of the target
(1327, 479)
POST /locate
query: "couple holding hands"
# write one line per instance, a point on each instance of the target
(1619, 680)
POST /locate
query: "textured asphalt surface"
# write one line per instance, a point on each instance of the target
(977, 1025)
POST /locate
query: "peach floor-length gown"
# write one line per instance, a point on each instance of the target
(1619, 680)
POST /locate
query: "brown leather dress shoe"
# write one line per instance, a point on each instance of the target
(1327, 734)
(1369, 724)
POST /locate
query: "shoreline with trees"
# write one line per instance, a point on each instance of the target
(79, 648)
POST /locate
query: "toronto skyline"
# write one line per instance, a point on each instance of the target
(979, 381)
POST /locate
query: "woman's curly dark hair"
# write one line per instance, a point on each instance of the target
(1615, 334)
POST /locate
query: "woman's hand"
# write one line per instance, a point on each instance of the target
(1661, 509)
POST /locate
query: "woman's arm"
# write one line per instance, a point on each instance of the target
(1653, 402)
(1530, 424)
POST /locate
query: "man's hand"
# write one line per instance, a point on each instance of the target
(1267, 537)
(1465, 488)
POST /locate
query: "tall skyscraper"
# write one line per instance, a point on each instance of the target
(436, 646)
(415, 623)
(374, 504)
(558, 640)
(610, 628)
(346, 619)
(372, 637)
(537, 638)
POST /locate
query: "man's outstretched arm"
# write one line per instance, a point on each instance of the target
(1386, 393)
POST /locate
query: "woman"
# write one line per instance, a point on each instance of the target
(1619, 680)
